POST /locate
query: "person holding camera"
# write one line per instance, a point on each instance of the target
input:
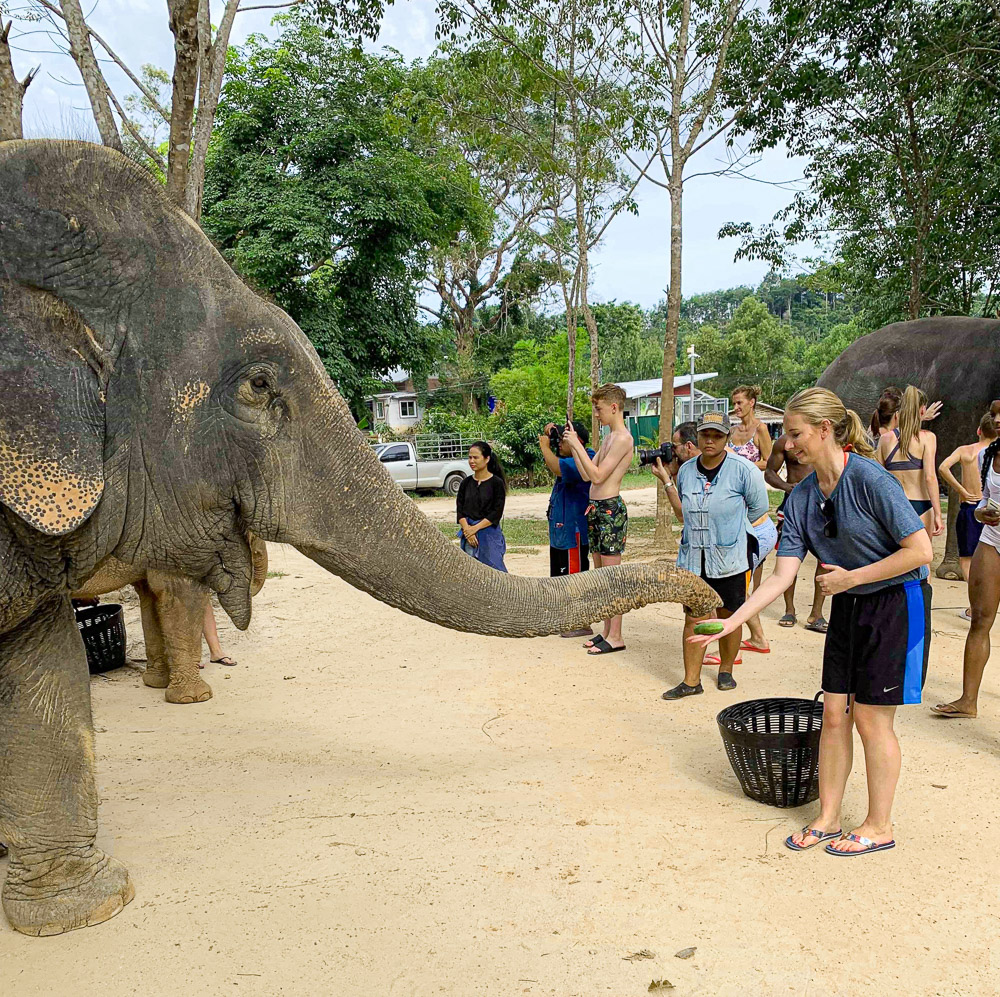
(607, 514)
(569, 551)
(716, 497)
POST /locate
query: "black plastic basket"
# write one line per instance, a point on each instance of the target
(773, 747)
(103, 632)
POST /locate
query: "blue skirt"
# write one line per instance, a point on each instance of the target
(492, 546)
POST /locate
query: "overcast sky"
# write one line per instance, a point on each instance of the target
(630, 265)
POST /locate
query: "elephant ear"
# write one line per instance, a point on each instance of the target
(51, 411)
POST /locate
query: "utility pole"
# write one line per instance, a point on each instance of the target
(692, 356)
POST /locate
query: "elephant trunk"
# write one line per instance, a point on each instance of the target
(376, 538)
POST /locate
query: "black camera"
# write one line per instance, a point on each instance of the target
(555, 437)
(665, 451)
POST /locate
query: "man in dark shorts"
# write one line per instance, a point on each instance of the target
(794, 473)
(607, 515)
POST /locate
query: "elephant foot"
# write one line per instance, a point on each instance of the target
(74, 890)
(155, 677)
(194, 691)
(950, 569)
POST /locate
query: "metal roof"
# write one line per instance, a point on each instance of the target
(652, 385)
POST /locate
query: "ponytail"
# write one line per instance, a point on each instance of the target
(887, 407)
(854, 437)
(492, 464)
(909, 418)
(988, 454)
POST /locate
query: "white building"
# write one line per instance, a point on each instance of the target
(399, 407)
(642, 403)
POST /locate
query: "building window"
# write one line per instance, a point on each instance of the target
(407, 409)
(380, 411)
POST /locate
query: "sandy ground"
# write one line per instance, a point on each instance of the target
(371, 805)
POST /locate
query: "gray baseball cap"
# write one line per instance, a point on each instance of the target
(719, 421)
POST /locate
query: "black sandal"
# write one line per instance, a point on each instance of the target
(603, 647)
(682, 691)
(726, 681)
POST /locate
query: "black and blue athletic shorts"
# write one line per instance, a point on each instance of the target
(877, 644)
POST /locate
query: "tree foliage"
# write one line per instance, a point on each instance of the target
(894, 104)
(321, 192)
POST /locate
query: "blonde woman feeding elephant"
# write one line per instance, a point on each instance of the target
(853, 516)
(155, 411)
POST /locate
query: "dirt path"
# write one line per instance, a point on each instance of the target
(372, 805)
(640, 501)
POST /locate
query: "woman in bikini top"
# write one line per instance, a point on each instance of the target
(917, 474)
(756, 448)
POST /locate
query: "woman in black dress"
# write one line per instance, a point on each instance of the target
(481, 499)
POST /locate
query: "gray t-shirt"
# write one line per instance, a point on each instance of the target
(872, 515)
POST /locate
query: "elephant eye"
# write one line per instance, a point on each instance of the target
(259, 383)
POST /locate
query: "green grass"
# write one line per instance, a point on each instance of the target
(535, 532)
(276, 574)
(633, 479)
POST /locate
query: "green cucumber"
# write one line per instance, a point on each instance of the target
(709, 628)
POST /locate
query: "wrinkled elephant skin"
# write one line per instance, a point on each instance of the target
(954, 359)
(153, 410)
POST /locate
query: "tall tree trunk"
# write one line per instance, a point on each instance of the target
(583, 282)
(916, 278)
(664, 534)
(465, 340)
(184, 25)
(571, 363)
(595, 360)
(213, 67)
(93, 80)
(11, 90)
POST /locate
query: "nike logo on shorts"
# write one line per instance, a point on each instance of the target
(891, 688)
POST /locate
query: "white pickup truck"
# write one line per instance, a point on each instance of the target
(411, 472)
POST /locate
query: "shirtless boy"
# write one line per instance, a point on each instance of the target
(607, 515)
(967, 527)
(794, 473)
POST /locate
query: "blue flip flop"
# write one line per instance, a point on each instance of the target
(867, 845)
(820, 837)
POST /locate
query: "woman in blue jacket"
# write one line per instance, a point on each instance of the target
(717, 496)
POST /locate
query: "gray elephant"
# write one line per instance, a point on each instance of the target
(173, 615)
(956, 359)
(153, 410)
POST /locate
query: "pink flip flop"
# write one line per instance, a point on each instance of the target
(714, 659)
(747, 646)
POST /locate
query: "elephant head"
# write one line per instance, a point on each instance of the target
(156, 409)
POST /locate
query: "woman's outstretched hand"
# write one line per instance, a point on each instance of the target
(705, 639)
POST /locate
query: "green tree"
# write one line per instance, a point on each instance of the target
(319, 191)
(894, 105)
(536, 382)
